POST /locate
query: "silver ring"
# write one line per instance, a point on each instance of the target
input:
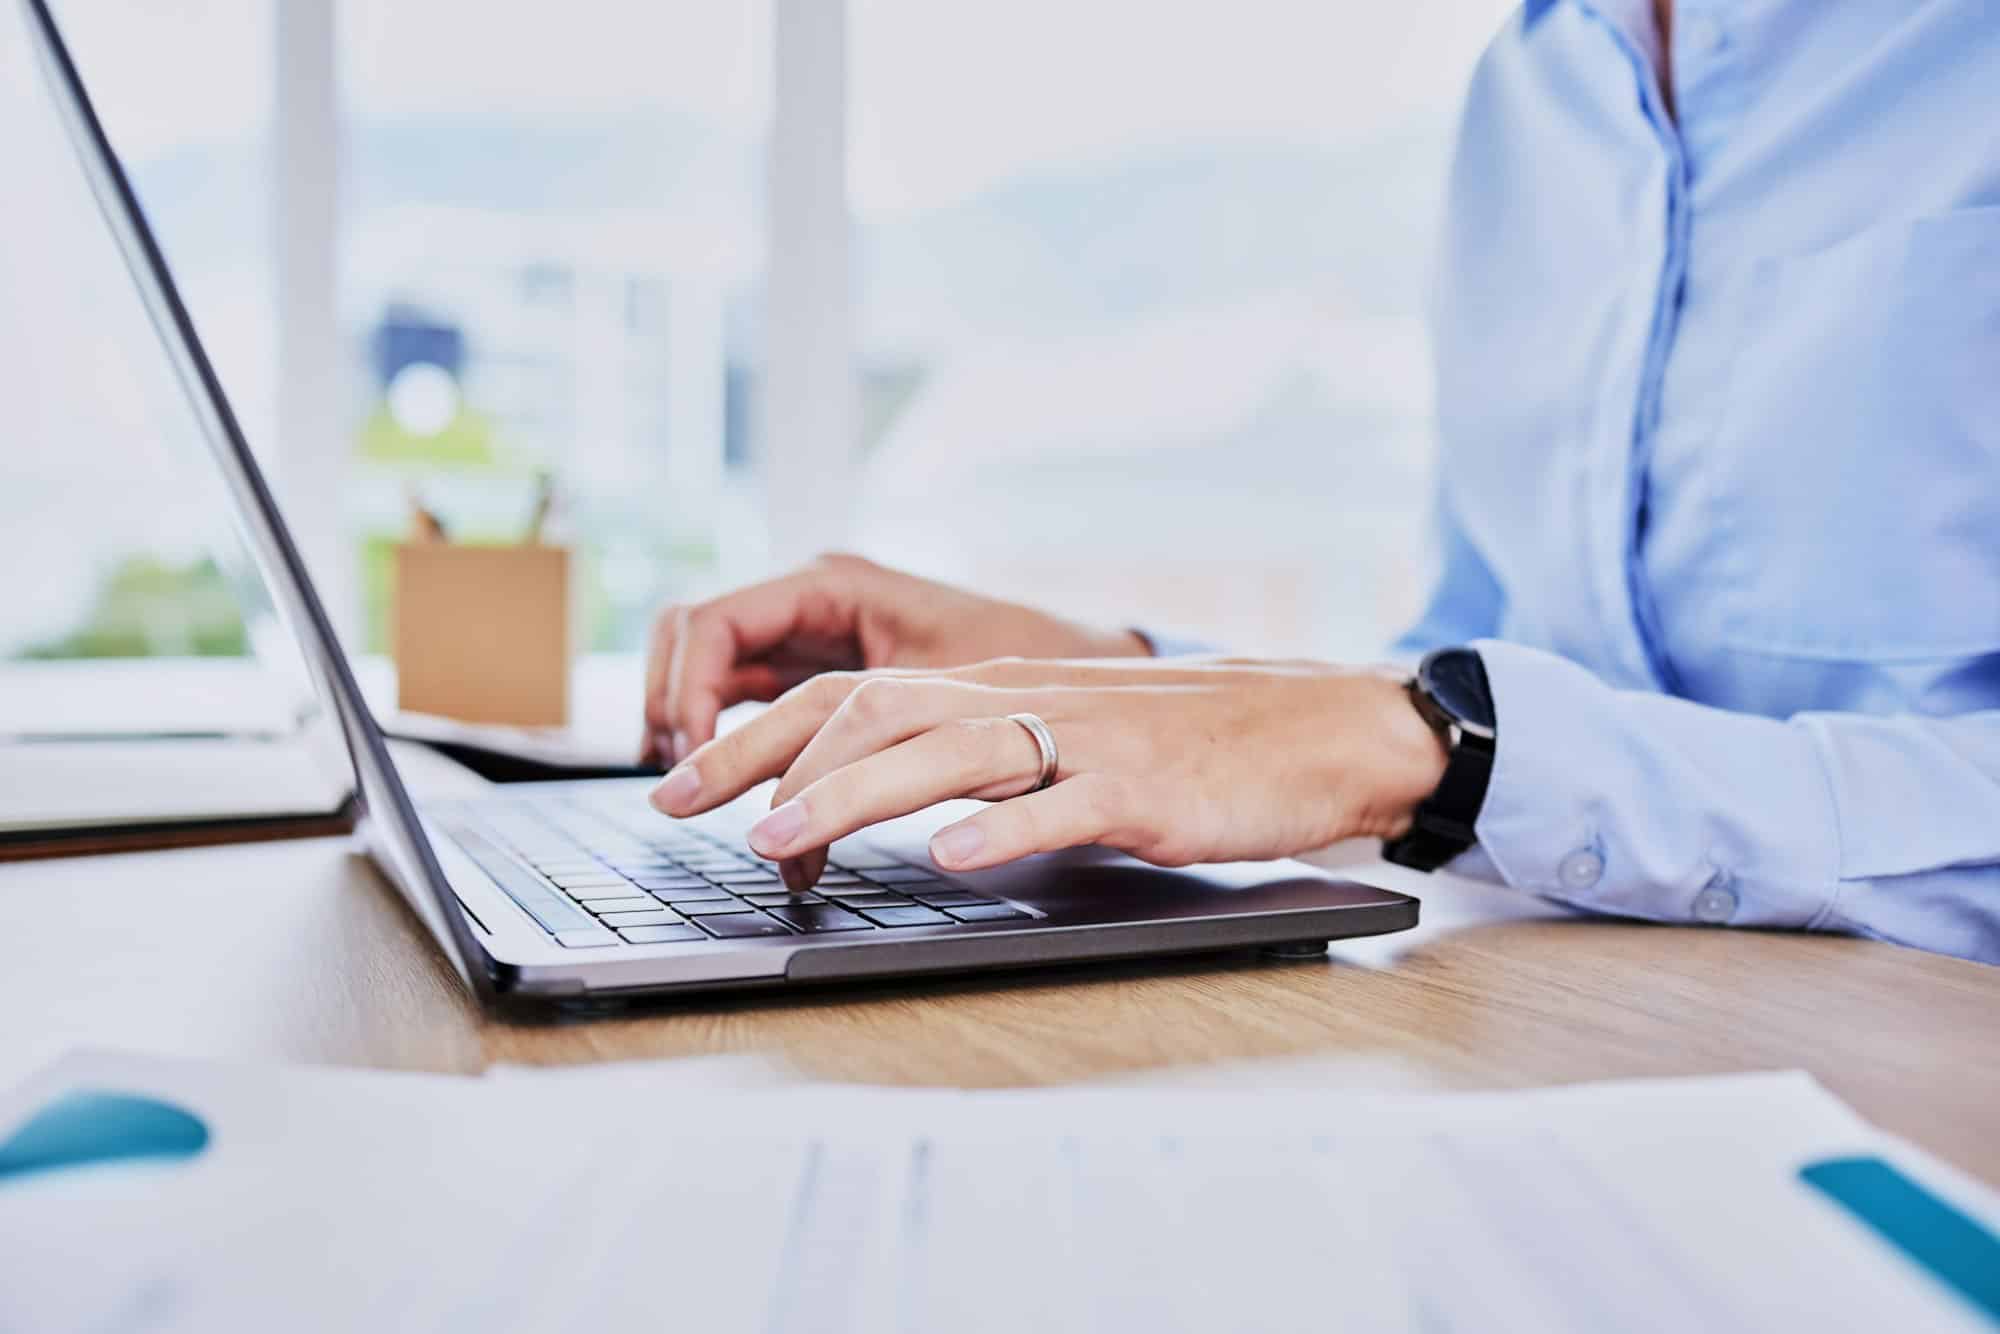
(1045, 742)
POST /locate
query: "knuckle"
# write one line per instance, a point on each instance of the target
(825, 692)
(878, 699)
(842, 561)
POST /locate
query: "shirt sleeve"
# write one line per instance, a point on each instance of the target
(1172, 646)
(1646, 805)
(1465, 601)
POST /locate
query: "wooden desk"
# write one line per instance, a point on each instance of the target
(302, 952)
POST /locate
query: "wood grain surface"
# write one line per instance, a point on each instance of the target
(301, 952)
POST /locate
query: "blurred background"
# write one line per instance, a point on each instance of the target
(1112, 305)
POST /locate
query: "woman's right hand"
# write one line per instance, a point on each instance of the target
(838, 613)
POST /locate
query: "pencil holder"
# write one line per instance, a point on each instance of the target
(482, 633)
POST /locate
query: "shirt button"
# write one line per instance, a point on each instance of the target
(1715, 904)
(1581, 869)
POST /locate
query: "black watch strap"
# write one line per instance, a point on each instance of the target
(1444, 823)
(1440, 830)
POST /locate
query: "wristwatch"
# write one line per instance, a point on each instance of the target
(1450, 692)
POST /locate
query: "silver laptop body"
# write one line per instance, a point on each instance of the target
(578, 893)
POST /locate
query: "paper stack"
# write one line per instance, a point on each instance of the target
(626, 1199)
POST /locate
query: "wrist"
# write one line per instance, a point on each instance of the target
(1405, 760)
(1124, 644)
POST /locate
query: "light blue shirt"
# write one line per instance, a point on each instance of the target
(1720, 462)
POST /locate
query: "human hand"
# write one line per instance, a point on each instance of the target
(838, 613)
(1175, 762)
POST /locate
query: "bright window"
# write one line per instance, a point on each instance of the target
(550, 250)
(111, 521)
(1141, 302)
(1137, 321)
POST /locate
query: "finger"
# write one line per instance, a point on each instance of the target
(658, 741)
(1089, 808)
(966, 757)
(763, 681)
(673, 706)
(882, 711)
(705, 644)
(809, 738)
(765, 677)
(762, 748)
(878, 712)
(1043, 673)
(757, 681)
(650, 749)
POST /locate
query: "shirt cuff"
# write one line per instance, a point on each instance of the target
(1646, 805)
(1170, 646)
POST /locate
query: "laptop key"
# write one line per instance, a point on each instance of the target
(743, 924)
(687, 893)
(851, 854)
(584, 937)
(920, 888)
(552, 910)
(779, 900)
(599, 907)
(748, 876)
(896, 875)
(712, 908)
(656, 917)
(949, 898)
(659, 935)
(812, 918)
(911, 916)
(602, 880)
(688, 880)
(985, 912)
(868, 898)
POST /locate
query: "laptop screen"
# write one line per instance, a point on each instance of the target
(121, 373)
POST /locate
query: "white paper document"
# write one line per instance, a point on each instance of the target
(343, 1200)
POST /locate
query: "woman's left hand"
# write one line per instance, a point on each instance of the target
(1174, 761)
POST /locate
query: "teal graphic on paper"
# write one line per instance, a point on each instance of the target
(89, 1126)
(1950, 1245)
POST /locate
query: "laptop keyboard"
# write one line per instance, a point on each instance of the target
(591, 883)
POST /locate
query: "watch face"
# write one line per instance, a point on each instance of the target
(1456, 679)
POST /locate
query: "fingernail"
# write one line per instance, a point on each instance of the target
(677, 790)
(775, 832)
(681, 749)
(957, 845)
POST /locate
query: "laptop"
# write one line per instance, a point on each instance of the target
(579, 895)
